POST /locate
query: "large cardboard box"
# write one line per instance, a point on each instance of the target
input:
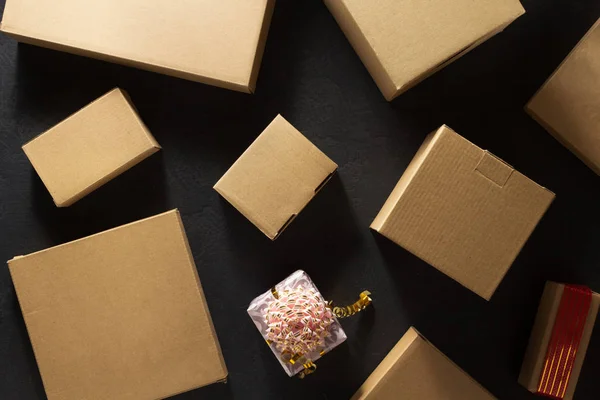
(535, 372)
(463, 210)
(91, 147)
(415, 369)
(568, 104)
(402, 42)
(276, 177)
(119, 315)
(214, 42)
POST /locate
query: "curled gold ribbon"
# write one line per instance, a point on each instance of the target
(363, 302)
(309, 368)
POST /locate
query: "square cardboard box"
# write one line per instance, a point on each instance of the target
(463, 210)
(90, 148)
(416, 369)
(276, 177)
(219, 43)
(568, 104)
(402, 42)
(119, 315)
(534, 363)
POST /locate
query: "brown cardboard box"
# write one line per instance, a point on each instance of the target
(276, 177)
(119, 315)
(415, 369)
(568, 104)
(90, 148)
(402, 42)
(534, 360)
(214, 42)
(463, 210)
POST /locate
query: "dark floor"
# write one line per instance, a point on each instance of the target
(311, 75)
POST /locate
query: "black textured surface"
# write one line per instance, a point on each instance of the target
(312, 76)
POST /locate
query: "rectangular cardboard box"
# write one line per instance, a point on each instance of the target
(90, 148)
(214, 42)
(402, 42)
(568, 104)
(415, 369)
(535, 357)
(119, 315)
(463, 210)
(276, 177)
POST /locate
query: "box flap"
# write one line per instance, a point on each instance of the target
(91, 147)
(218, 43)
(111, 312)
(568, 104)
(415, 369)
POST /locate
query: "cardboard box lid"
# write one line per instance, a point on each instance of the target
(402, 42)
(90, 148)
(568, 104)
(463, 210)
(119, 315)
(276, 177)
(533, 362)
(214, 42)
(415, 369)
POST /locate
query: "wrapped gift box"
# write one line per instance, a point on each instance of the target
(276, 177)
(119, 315)
(415, 369)
(402, 42)
(463, 210)
(568, 104)
(559, 340)
(90, 148)
(215, 42)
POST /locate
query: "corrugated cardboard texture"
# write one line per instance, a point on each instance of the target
(90, 148)
(276, 177)
(401, 42)
(568, 104)
(119, 315)
(540, 339)
(463, 210)
(415, 369)
(215, 42)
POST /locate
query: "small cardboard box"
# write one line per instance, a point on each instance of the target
(276, 177)
(534, 363)
(119, 315)
(416, 369)
(90, 148)
(463, 210)
(568, 104)
(402, 42)
(214, 42)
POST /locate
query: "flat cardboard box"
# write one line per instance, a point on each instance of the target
(276, 177)
(90, 148)
(402, 42)
(463, 210)
(119, 315)
(568, 104)
(416, 369)
(533, 363)
(219, 43)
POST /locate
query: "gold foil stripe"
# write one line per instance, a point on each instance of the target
(275, 293)
(363, 302)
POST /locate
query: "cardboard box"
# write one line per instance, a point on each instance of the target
(276, 177)
(90, 148)
(415, 369)
(535, 369)
(568, 104)
(402, 42)
(119, 315)
(214, 42)
(463, 210)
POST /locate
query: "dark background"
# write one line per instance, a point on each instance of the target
(311, 75)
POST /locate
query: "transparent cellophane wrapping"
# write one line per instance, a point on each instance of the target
(299, 299)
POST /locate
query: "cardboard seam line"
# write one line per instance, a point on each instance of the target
(496, 181)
